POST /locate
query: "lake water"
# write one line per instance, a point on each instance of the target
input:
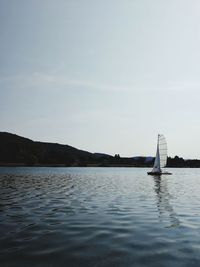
(99, 217)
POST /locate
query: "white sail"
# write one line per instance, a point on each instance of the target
(161, 154)
(162, 144)
(156, 166)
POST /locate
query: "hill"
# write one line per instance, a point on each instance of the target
(20, 151)
(23, 151)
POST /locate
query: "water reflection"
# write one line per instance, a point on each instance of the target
(165, 209)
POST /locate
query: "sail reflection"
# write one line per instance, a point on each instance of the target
(165, 209)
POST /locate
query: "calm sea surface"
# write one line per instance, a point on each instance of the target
(99, 217)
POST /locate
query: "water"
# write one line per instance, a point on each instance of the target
(99, 217)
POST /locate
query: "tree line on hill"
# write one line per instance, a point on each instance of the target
(19, 151)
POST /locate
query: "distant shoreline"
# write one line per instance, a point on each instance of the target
(64, 165)
(18, 151)
(86, 166)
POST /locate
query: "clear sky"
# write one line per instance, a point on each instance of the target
(103, 76)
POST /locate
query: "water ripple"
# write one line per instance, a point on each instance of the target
(98, 217)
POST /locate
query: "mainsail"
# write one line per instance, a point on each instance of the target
(161, 154)
(162, 150)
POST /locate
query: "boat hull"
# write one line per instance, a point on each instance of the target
(159, 173)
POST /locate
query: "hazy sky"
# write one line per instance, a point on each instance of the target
(103, 76)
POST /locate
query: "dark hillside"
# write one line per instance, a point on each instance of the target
(17, 149)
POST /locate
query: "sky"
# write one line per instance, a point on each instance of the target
(103, 76)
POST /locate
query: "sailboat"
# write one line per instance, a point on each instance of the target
(161, 157)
